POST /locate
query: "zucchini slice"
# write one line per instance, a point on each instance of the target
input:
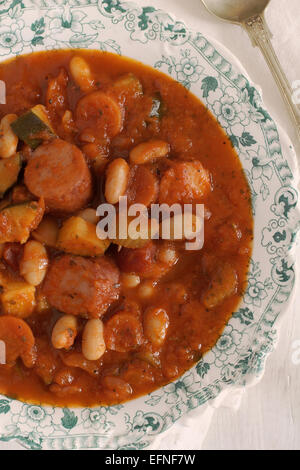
(79, 237)
(9, 172)
(17, 221)
(34, 126)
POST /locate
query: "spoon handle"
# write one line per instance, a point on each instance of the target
(261, 37)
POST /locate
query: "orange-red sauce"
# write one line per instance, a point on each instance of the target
(193, 134)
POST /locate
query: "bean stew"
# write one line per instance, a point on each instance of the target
(87, 321)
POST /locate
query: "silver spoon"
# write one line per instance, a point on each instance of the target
(250, 15)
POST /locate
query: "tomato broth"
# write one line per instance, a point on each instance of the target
(88, 323)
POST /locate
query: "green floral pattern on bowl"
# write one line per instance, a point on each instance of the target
(238, 358)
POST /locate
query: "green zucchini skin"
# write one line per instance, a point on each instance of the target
(31, 129)
(9, 172)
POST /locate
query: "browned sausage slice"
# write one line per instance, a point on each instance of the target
(185, 183)
(142, 187)
(79, 286)
(144, 261)
(58, 172)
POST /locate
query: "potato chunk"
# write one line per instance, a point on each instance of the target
(80, 286)
(18, 299)
(16, 222)
(79, 237)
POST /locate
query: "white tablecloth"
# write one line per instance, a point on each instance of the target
(267, 416)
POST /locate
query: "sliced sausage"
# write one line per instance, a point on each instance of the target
(58, 172)
(79, 286)
(139, 261)
(145, 261)
(142, 187)
(101, 112)
(184, 182)
(123, 332)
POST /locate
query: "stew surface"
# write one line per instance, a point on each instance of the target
(88, 321)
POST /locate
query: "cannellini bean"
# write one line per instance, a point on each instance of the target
(156, 323)
(167, 255)
(130, 280)
(81, 73)
(146, 289)
(116, 180)
(8, 140)
(89, 215)
(34, 262)
(93, 344)
(64, 332)
(149, 151)
(68, 121)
